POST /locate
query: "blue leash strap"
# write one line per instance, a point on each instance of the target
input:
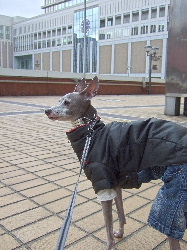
(67, 221)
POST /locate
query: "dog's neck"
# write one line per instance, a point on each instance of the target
(82, 121)
(88, 117)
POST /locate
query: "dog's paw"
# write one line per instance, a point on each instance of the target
(118, 234)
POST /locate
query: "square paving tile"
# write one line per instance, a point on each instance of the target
(8, 242)
(39, 190)
(88, 243)
(11, 198)
(16, 208)
(142, 213)
(47, 242)
(146, 238)
(25, 218)
(38, 229)
(52, 196)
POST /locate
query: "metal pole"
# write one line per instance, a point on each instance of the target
(150, 71)
(84, 56)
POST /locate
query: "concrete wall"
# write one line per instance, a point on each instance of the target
(46, 61)
(56, 61)
(121, 58)
(66, 60)
(138, 58)
(28, 83)
(105, 59)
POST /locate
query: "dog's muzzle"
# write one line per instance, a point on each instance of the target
(48, 111)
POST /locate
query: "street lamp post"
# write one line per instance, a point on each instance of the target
(84, 24)
(151, 52)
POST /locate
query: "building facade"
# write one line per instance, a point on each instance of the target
(6, 44)
(116, 33)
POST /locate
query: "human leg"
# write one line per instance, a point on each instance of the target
(174, 244)
(168, 211)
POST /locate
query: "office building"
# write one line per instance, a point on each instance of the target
(116, 33)
(6, 45)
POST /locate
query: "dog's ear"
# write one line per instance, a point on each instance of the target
(91, 90)
(81, 85)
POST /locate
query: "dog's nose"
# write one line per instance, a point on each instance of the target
(47, 111)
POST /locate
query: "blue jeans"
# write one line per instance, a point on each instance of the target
(169, 211)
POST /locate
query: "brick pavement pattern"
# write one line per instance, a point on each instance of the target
(38, 172)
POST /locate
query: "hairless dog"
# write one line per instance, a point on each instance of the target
(76, 107)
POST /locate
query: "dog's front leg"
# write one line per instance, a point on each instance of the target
(121, 214)
(107, 212)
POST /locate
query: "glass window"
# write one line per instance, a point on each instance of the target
(154, 12)
(14, 31)
(63, 30)
(117, 32)
(49, 33)
(35, 45)
(102, 23)
(117, 19)
(145, 14)
(48, 43)
(94, 23)
(144, 29)
(58, 42)
(135, 16)
(162, 11)
(153, 28)
(69, 39)
(161, 28)
(102, 36)
(53, 42)
(54, 32)
(35, 36)
(44, 34)
(109, 34)
(69, 29)
(39, 35)
(64, 40)
(110, 21)
(126, 18)
(58, 31)
(15, 44)
(44, 44)
(134, 31)
(126, 31)
(7, 32)
(1, 32)
(39, 45)
(94, 57)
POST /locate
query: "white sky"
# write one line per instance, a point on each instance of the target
(24, 8)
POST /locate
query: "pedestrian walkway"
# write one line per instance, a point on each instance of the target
(38, 172)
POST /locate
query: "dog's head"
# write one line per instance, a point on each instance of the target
(74, 105)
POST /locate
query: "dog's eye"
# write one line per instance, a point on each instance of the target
(67, 103)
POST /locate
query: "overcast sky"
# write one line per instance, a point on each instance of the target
(24, 8)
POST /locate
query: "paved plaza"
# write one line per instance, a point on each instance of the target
(38, 172)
